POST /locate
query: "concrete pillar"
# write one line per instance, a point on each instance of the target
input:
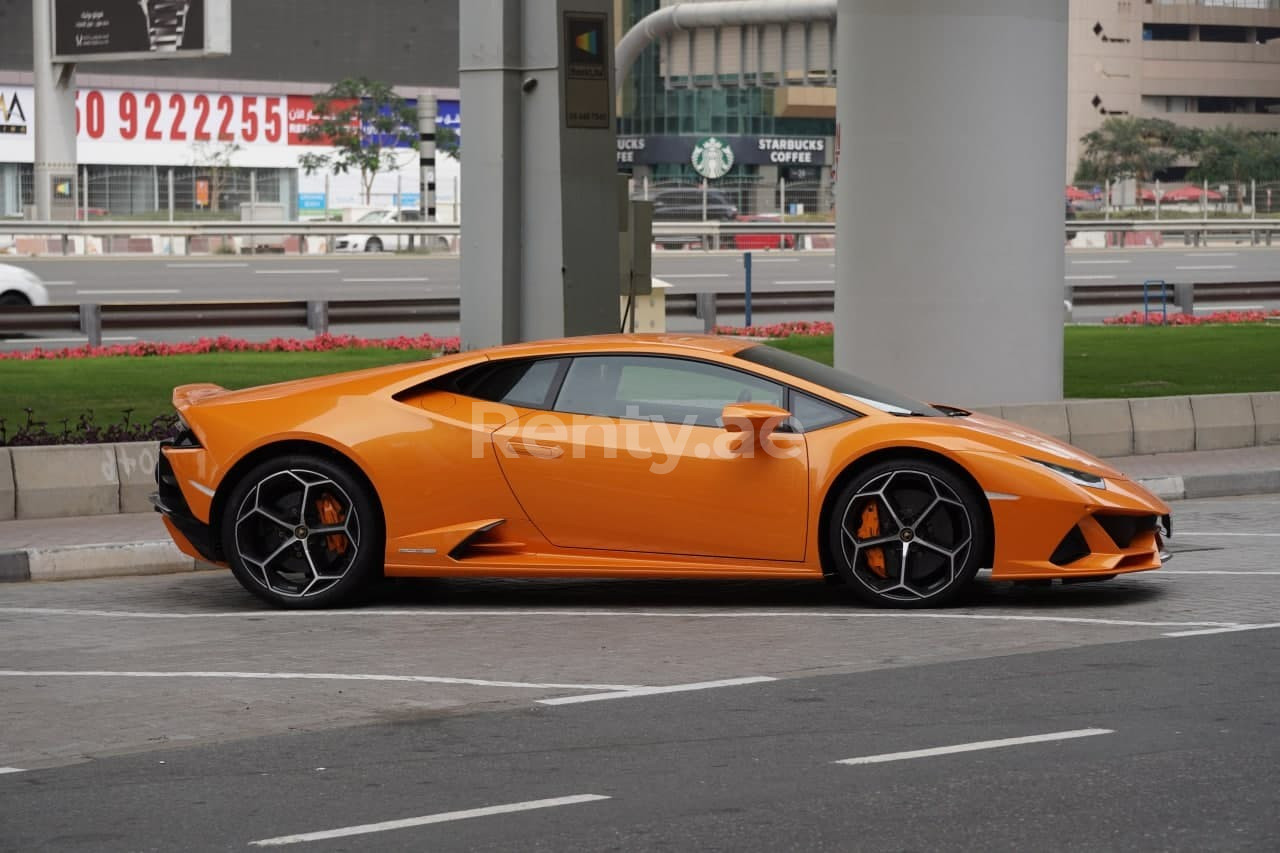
(55, 121)
(949, 266)
(540, 216)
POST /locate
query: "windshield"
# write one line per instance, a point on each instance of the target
(373, 216)
(847, 384)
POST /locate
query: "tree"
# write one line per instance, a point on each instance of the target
(447, 142)
(1235, 155)
(216, 160)
(1131, 147)
(366, 124)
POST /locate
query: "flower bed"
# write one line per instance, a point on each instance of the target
(794, 328)
(320, 343)
(1136, 318)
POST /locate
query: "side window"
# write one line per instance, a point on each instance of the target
(673, 390)
(524, 383)
(810, 413)
(410, 216)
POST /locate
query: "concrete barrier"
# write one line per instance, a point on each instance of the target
(1162, 425)
(1266, 418)
(1048, 418)
(1223, 421)
(8, 496)
(136, 468)
(1102, 427)
(66, 480)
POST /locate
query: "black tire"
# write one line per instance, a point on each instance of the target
(373, 244)
(922, 509)
(303, 532)
(14, 299)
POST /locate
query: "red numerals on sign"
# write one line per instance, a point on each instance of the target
(95, 115)
(157, 117)
(275, 122)
(153, 123)
(178, 104)
(128, 115)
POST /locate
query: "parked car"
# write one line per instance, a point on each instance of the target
(763, 240)
(772, 465)
(685, 205)
(389, 242)
(19, 286)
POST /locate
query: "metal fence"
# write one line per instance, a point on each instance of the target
(1243, 198)
(751, 196)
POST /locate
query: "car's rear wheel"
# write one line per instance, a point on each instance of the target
(12, 298)
(908, 533)
(373, 245)
(301, 531)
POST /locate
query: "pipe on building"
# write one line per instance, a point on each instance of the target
(727, 13)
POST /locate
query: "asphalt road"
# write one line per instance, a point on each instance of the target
(119, 279)
(168, 713)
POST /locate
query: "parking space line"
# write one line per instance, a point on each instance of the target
(975, 746)
(308, 676)
(442, 817)
(1181, 534)
(514, 613)
(4, 770)
(295, 272)
(1233, 630)
(389, 279)
(653, 691)
(1214, 572)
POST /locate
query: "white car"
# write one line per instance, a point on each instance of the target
(20, 286)
(390, 242)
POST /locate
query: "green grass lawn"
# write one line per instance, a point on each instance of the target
(1101, 361)
(65, 388)
(1123, 361)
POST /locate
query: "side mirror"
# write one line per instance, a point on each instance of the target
(753, 422)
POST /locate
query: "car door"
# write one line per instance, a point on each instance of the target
(632, 457)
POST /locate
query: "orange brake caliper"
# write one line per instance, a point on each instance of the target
(330, 514)
(870, 529)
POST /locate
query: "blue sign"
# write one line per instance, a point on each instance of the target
(410, 200)
(311, 201)
(448, 114)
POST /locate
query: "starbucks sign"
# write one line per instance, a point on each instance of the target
(712, 158)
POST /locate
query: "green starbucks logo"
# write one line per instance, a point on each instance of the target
(712, 158)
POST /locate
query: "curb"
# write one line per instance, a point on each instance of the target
(84, 562)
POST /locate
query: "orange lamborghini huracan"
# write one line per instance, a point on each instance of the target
(633, 456)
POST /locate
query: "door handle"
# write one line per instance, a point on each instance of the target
(539, 451)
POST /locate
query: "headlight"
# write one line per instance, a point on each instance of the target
(1080, 478)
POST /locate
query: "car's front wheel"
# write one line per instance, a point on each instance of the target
(13, 298)
(373, 245)
(303, 532)
(908, 533)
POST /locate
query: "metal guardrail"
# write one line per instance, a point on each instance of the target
(317, 315)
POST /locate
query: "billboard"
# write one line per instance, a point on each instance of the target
(107, 30)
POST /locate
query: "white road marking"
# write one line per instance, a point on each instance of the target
(693, 275)
(774, 260)
(399, 278)
(810, 281)
(464, 613)
(163, 292)
(58, 283)
(443, 817)
(1102, 262)
(308, 676)
(41, 341)
(201, 265)
(1229, 307)
(1210, 254)
(1200, 533)
(1088, 277)
(653, 691)
(4, 770)
(1164, 571)
(1208, 631)
(975, 746)
(1207, 267)
(295, 272)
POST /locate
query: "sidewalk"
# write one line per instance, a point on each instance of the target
(136, 543)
